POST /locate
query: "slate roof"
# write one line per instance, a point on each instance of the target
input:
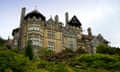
(99, 37)
(87, 37)
(14, 31)
(74, 22)
(34, 13)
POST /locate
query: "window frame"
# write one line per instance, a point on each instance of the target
(51, 45)
(51, 35)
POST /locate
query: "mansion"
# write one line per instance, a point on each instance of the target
(52, 34)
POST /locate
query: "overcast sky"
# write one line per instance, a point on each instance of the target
(103, 16)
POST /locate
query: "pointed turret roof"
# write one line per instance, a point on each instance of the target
(50, 20)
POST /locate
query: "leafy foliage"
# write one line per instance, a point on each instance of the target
(105, 49)
(13, 62)
(2, 41)
(104, 61)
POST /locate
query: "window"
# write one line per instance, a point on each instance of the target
(71, 46)
(70, 34)
(35, 39)
(35, 42)
(36, 36)
(33, 27)
(51, 34)
(51, 45)
(29, 37)
(15, 42)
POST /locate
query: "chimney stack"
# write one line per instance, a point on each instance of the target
(66, 18)
(20, 40)
(22, 15)
(56, 19)
(89, 31)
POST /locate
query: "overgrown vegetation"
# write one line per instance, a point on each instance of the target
(105, 49)
(107, 59)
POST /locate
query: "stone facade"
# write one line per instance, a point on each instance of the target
(52, 34)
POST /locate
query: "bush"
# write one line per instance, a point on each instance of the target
(8, 70)
(103, 61)
(80, 51)
(105, 49)
(15, 62)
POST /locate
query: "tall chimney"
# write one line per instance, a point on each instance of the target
(66, 17)
(56, 19)
(22, 15)
(89, 31)
(20, 40)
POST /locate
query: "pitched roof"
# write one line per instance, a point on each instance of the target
(100, 37)
(74, 22)
(84, 37)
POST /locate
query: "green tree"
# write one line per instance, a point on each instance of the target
(2, 41)
(102, 49)
(105, 49)
(29, 50)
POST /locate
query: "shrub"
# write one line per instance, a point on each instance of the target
(104, 61)
(29, 51)
(15, 62)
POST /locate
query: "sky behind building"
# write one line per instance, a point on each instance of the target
(103, 16)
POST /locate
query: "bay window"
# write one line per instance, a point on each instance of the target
(33, 27)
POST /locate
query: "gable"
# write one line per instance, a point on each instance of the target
(74, 22)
